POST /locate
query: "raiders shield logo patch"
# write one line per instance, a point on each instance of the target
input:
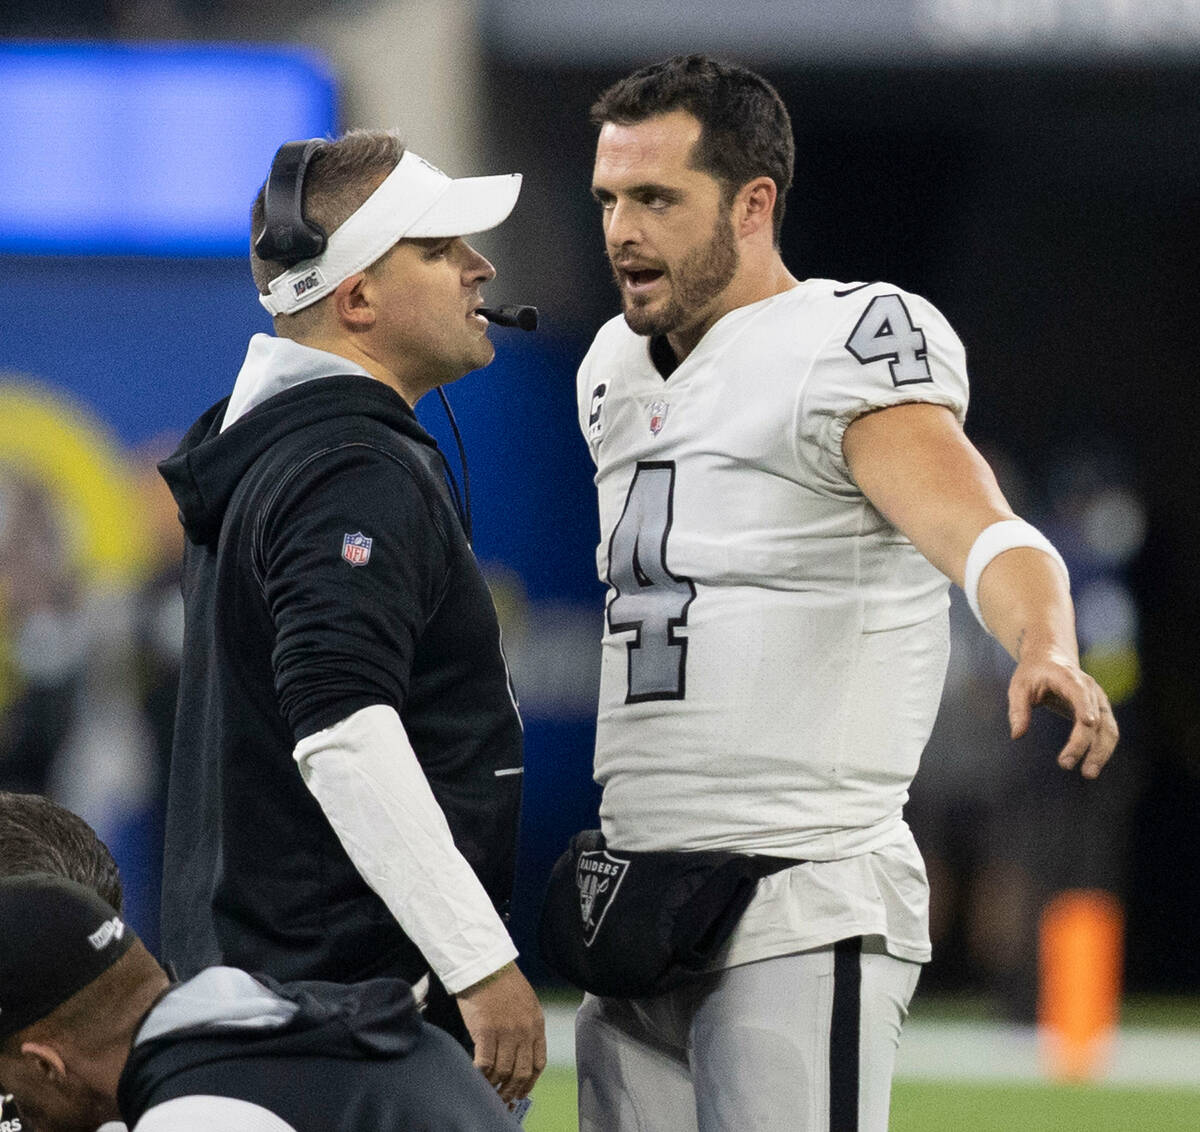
(598, 875)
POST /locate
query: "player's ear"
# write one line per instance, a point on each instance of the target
(754, 207)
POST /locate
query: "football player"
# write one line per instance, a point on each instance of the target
(785, 494)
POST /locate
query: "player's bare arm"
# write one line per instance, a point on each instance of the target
(917, 467)
(508, 1028)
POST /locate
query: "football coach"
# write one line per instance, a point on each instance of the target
(346, 772)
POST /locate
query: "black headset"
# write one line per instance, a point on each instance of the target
(287, 237)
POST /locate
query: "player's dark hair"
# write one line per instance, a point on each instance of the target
(745, 128)
(38, 836)
(340, 176)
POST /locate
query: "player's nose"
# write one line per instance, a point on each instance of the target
(621, 228)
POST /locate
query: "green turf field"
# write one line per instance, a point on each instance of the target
(932, 1107)
(553, 1102)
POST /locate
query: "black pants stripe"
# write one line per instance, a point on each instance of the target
(844, 1027)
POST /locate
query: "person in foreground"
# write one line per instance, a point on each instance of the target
(92, 1030)
(40, 836)
(345, 781)
(785, 493)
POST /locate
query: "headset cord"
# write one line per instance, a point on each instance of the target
(461, 501)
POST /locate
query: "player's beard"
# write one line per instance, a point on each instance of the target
(695, 281)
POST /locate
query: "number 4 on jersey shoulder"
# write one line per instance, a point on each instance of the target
(886, 331)
(648, 598)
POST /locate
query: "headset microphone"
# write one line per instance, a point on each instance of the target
(524, 317)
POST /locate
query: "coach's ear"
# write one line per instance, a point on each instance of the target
(351, 305)
(754, 208)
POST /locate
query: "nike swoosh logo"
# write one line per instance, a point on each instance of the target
(851, 290)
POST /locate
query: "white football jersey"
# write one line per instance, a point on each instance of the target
(774, 650)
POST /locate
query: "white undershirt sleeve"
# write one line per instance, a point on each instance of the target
(367, 779)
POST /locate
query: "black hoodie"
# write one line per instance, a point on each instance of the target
(293, 622)
(319, 1057)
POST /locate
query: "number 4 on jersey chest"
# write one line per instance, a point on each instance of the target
(648, 598)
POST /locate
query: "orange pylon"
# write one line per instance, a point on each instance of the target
(1080, 962)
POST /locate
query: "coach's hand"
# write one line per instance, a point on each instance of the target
(506, 1023)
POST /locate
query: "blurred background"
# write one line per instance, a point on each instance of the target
(1031, 166)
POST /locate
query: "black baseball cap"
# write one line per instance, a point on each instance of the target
(56, 937)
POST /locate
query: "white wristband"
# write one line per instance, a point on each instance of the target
(1007, 534)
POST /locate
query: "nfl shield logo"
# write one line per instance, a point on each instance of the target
(356, 549)
(658, 416)
(598, 875)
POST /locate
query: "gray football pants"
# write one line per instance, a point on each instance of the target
(799, 1043)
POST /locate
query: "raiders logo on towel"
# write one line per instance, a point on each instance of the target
(598, 875)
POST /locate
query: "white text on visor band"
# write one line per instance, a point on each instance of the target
(415, 200)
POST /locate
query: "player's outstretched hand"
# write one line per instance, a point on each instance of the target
(1062, 686)
(505, 1021)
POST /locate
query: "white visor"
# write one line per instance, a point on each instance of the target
(415, 200)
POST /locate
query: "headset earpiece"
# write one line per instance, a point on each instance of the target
(287, 237)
